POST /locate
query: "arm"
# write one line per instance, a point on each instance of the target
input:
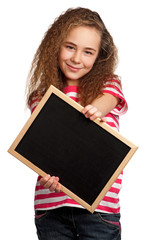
(100, 106)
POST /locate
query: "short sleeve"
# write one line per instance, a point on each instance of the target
(113, 87)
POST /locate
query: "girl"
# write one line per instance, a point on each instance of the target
(78, 56)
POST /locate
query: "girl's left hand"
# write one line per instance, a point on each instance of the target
(51, 183)
(91, 112)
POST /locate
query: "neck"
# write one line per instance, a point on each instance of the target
(72, 82)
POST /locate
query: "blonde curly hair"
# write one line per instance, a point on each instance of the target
(45, 70)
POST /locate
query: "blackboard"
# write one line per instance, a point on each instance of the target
(86, 155)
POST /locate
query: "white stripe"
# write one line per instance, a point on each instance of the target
(109, 194)
(62, 205)
(120, 176)
(113, 84)
(112, 195)
(47, 191)
(109, 204)
(33, 105)
(115, 91)
(59, 199)
(51, 200)
(111, 120)
(42, 191)
(120, 111)
(72, 94)
(38, 183)
(33, 98)
(116, 185)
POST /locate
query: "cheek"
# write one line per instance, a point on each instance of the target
(89, 63)
(64, 55)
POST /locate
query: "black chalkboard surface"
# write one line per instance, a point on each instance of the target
(86, 155)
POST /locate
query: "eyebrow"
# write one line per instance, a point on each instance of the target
(87, 48)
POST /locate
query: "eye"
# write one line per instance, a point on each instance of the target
(69, 47)
(88, 52)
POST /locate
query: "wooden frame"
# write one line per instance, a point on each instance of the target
(109, 142)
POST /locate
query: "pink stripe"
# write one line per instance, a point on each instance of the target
(39, 177)
(119, 181)
(123, 103)
(108, 209)
(114, 190)
(106, 90)
(70, 201)
(111, 83)
(113, 87)
(34, 100)
(111, 124)
(115, 94)
(116, 223)
(39, 188)
(69, 89)
(112, 116)
(110, 199)
(33, 109)
(74, 98)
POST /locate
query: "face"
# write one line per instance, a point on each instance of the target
(79, 52)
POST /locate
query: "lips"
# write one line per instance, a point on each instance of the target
(72, 68)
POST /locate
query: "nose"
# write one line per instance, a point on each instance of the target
(76, 57)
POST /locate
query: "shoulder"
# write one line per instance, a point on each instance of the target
(113, 86)
(113, 82)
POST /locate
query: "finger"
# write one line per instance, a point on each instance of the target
(92, 110)
(86, 109)
(103, 119)
(44, 179)
(58, 188)
(54, 184)
(48, 184)
(95, 115)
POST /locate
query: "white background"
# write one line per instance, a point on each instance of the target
(134, 27)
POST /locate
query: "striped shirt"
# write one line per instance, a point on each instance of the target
(45, 200)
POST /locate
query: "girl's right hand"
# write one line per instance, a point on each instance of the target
(51, 183)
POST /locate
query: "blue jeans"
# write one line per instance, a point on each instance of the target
(67, 223)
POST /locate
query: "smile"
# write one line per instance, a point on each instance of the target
(72, 68)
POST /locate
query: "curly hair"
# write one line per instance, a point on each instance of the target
(45, 70)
